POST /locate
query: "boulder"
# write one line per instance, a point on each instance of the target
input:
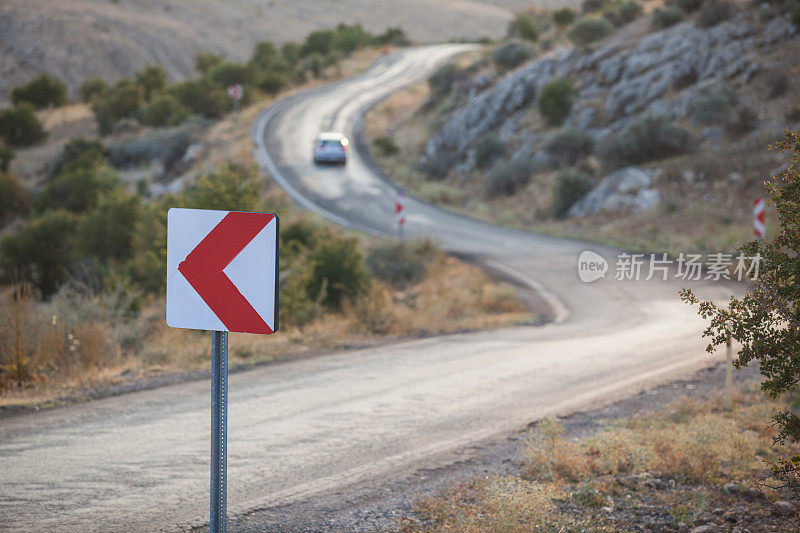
(627, 190)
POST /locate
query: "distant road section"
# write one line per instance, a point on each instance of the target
(140, 462)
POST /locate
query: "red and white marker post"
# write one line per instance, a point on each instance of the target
(235, 93)
(400, 212)
(759, 221)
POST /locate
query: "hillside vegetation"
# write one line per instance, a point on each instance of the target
(618, 124)
(80, 39)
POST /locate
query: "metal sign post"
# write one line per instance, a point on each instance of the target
(219, 428)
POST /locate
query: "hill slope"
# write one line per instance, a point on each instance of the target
(76, 39)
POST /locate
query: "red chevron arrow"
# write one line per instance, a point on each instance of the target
(203, 269)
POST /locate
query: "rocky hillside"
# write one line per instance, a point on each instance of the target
(76, 39)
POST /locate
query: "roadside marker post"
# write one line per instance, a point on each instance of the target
(727, 395)
(759, 220)
(235, 92)
(400, 212)
(222, 275)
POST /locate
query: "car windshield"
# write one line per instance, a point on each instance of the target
(330, 143)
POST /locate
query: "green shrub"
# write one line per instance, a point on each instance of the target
(163, 110)
(564, 17)
(20, 127)
(107, 230)
(512, 54)
(202, 97)
(712, 105)
(569, 146)
(439, 165)
(149, 246)
(443, 79)
(346, 39)
(92, 88)
(689, 5)
(14, 198)
(649, 138)
(555, 101)
(225, 74)
(121, 101)
(317, 42)
(627, 12)
(393, 36)
(589, 6)
(166, 145)
(77, 190)
(42, 91)
(509, 177)
(571, 185)
(336, 272)
(669, 16)
(523, 27)
(588, 30)
(232, 187)
(79, 154)
(715, 11)
(152, 80)
(299, 235)
(41, 252)
(487, 149)
(400, 264)
(205, 60)
(386, 146)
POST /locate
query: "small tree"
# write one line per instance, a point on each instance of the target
(231, 187)
(524, 26)
(555, 101)
(20, 127)
(92, 88)
(40, 92)
(766, 321)
(122, 100)
(152, 80)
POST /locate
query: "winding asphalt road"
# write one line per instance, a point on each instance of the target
(139, 462)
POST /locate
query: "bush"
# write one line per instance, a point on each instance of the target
(509, 177)
(14, 198)
(346, 39)
(167, 145)
(400, 264)
(715, 11)
(627, 12)
(488, 149)
(664, 18)
(202, 98)
(149, 245)
(512, 54)
(569, 146)
(232, 187)
(393, 36)
(297, 236)
(571, 185)
(41, 252)
(40, 92)
(92, 88)
(386, 146)
(589, 6)
(20, 127)
(79, 154)
(317, 42)
(712, 105)
(6, 156)
(77, 190)
(650, 138)
(523, 27)
(152, 80)
(443, 79)
(555, 101)
(107, 230)
(564, 17)
(438, 165)
(225, 74)
(689, 5)
(336, 272)
(588, 30)
(743, 121)
(163, 110)
(121, 101)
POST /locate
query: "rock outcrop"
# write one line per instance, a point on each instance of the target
(628, 190)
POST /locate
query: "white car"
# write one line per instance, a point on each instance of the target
(331, 147)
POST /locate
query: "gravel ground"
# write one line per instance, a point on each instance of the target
(369, 507)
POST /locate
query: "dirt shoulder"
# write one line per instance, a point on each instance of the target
(392, 504)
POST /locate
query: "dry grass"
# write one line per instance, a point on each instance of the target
(691, 449)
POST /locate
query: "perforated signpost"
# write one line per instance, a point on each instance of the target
(222, 269)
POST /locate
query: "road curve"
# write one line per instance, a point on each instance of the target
(140, 462)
